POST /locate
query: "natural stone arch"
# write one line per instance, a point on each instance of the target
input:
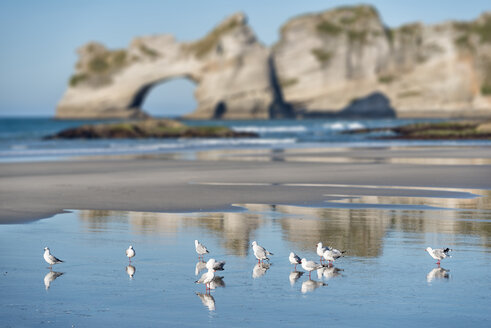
(228, 65)
(141, 98)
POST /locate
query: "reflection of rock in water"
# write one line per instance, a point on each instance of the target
(260, 270)
(130, 270)
(311, 285)
(233, 229)
(359, 231)
(50, 277)
(294, 276)
(437, 273)
(328, 272)
(207, 300)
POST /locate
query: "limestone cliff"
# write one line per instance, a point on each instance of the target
(325, 61)
(343, 61)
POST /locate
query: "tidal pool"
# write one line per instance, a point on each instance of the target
(385, 279)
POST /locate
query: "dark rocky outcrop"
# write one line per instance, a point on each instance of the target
(148, 129)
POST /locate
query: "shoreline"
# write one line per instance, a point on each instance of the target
(35, 190)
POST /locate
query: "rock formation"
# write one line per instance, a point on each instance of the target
(339, 62)
(327, 60)
(230, 67)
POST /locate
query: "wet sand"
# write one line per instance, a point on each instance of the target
(36, 190)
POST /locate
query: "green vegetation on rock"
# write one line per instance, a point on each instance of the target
(321, 55)
(386, 79)
(77, 78)
(443, 130)
(481, 28)
(149, 51)
(288, 82)
(454, 130)
(204, 46)
(329, 28)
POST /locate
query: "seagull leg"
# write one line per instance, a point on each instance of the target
(310, 273)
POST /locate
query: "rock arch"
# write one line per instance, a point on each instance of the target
(229, 66)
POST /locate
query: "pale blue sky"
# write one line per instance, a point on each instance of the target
(39, 38)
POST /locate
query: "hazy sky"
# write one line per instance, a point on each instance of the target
(38, 38)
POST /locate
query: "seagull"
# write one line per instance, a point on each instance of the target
(260, 252)
(51, 259)
(130, 252)
(294, 259)
(311, 285)
(130, 270)
(212, 264)
(207, 300)
(206, 279)
(200, 248)
(294, 276)
(437, 273)
(439, 253)
(50, 277)
(310, 266)
(321, 250)
(332, 254)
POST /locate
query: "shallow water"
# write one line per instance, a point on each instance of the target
(385, 279)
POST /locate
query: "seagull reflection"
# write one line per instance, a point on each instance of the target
(50, 277)
(260, 269)
(311, 285)
(294, 276)
(437, 273)
(200, 266)
(217, 282)
(130, 270)
(328, 272)
(208, 301)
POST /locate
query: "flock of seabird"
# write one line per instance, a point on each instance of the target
(212, 281)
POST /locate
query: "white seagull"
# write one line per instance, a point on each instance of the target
(130, 252)
(260, 252)
(49, 258)
(200, 248)
(294, 259)
(439, 253)
(212, 264)
(206, 279)
(321, 250)
(332, 254)
(310, 266)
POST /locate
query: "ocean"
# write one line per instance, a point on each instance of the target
(21, 139)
